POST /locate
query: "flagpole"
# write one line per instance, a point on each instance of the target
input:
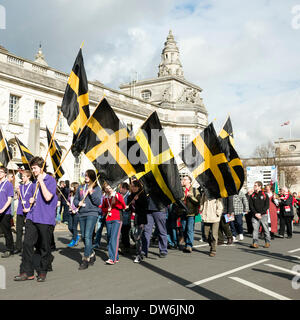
(12, 168)
(290, 129)
(64, 157)
(37, 185)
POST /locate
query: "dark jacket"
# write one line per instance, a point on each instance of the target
(92, 202)
(192, 203)
(140, 207)
(286, 207)
(259, 203)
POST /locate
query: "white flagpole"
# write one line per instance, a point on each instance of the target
(290, 129)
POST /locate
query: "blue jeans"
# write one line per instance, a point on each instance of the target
(237, 225)
(73, 224)
(171, 224)
(87, 225)
(101, 224)
(188, 230)
(113, 236)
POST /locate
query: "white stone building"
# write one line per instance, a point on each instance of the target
(31, 94)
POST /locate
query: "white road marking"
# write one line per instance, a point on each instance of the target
(191, 285)
(282, 269)
(291, 251)
(297, 257)
(200, 245)
(259, 288)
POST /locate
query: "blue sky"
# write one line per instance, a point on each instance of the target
(243, 54)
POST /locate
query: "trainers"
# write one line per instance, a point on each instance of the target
(267, 245)
(7, 254)
(77, 240)
(212, 254)
(234, 239)
(109, 261)
(254, 245)
(92, 259)
(162, 255)
(241, 237)
(72, 244)
(137, 259)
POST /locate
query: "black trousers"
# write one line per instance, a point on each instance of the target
(125, 236)
(286, 221)
(224, 228)
(5, 223)
(19, 229)
(248, 218)
(38, 235)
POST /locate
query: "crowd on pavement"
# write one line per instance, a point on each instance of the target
(131, 218)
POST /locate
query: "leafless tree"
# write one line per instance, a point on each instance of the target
(265, 154)
(291, 176)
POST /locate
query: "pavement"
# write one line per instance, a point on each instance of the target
(237, 272)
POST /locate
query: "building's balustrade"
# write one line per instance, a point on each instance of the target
(15, 61)
(39, 69)
(61, 76)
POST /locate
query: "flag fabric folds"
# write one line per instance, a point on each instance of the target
(26, 155)
(107, 145)
(75, 104)
(160, 176)
(208, 164)
(227, 145)
(4, 149)
(56, 155)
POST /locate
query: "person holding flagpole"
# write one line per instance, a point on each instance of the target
(25, 192)
(6, 198)
(87, 200)
(39, 223)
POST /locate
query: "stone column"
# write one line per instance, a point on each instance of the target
(34, 137)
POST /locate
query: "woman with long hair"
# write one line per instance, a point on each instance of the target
(112, 203)
(88, 199)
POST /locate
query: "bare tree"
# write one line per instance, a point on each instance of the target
(291, 176)
(265, 154)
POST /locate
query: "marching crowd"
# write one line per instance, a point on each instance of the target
(131, 215)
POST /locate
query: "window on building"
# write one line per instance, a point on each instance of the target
(146, 95)
(184, 140)
(14, 108)
(60, 125)
(38, 110)
(77, 166)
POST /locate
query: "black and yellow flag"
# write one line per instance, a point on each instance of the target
(56, 154)
(4, 149)
(107, 146)
(209, 165)
(160, 176)
(26, 155)
(75, 104)
(227, 145)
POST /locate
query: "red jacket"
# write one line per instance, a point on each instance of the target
(115, 209)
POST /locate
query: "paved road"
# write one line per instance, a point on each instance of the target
(237, 272)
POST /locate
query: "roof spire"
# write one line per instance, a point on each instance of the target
(39, 57)
(170, 64)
